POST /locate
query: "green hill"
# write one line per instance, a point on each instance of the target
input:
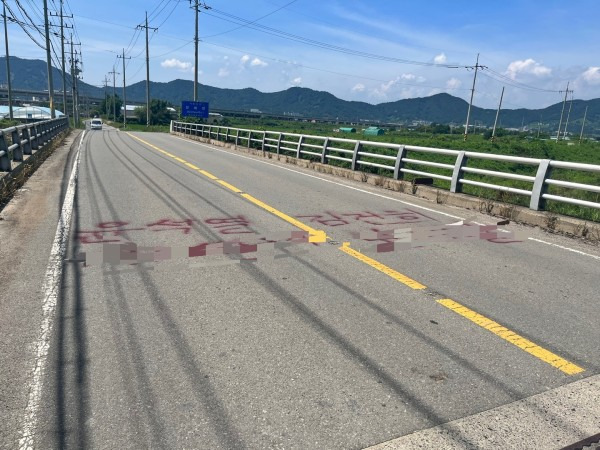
(440, 108)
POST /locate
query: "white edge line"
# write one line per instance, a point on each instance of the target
(375, 194)
(564, 248)
(50, 289)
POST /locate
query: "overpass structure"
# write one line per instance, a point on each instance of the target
(165, 292)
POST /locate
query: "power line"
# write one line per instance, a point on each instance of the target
(293, 37)
(254, 21)
(304, 66)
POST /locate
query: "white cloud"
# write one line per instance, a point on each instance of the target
(258, 62)
(174, 63)
(223, 72)
(440, 59)
(527, 66)
(592, 75)
(244, 59)
(297, 81)
(358, 87)
(408, 76)
(453, 83)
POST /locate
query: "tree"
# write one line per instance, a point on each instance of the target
(106, 105)
(159, 114)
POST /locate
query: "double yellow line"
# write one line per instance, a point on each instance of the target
(319, 236)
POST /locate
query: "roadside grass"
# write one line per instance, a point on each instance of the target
(139, 127)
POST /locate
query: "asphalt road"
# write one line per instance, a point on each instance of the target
(310, 345)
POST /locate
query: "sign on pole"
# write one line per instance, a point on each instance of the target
(194, 109)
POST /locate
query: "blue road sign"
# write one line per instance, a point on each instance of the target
(194, 109)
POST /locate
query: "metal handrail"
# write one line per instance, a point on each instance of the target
(27, 138)
(398, 154)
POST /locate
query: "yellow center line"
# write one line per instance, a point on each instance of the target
(317, 236)
(512, 337)
(382, 267)
(314, 235)
(320, 236)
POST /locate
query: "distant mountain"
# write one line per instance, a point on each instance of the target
(440, 108)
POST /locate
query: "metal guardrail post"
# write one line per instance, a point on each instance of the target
(398, 175)
(324, 151)
(263, 141)
(16, 139)
(461, 161)
(279, 143)
(249, 138)
(299, 149)
(539, 185)
(5, 159)
(227, 135)
(355, 154)
(237, 136)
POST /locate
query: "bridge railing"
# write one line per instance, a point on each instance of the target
(21, 140)
(531, 177)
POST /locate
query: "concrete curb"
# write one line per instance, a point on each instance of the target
(570, 226)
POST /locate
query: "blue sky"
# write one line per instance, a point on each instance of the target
(531, 47)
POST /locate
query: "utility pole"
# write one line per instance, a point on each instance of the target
(147, 70)
(73, 80)
(539, 126)
(62, 48)
(114, 102)
(10, 108)
(196, 6)
(124, 86)
(477, 66)
(561, 113)
(583, 125)
(49, 61)
(106, 94)
(568, 115)
(497, 114)
(74, 77)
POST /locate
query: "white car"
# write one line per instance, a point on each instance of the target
(96, 124)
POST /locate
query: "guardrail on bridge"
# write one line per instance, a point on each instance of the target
(21, 140)
(397, 160)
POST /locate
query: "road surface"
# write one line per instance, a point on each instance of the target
(301, 344)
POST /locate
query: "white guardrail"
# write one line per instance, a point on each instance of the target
(330, 148)
(15, 142)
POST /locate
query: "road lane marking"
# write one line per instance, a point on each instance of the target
(314, 235)
(512, 337)
(317, 236)
(229, 186)
(208, 174)
(372, 193)
(494, 327)
(50, 291)
(381, 267)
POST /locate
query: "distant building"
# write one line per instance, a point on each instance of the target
(215, 118)
(29, 112)
(130, 109)
(257, 111)
(374, 131)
